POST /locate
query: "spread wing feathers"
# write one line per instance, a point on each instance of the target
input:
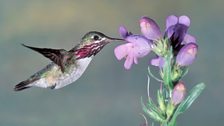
(58, 56)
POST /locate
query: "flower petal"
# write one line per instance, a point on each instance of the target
(155, 62)
(177, 33)
(128, 62)
(149, 28)
(137, 39)
(159, 62)
(136, 60)
(142, 51)
(123, 31)
(189, 39)
(185, 20)
(141, 46)
(187, 54)
(169, 32)
(121, 51)
(138, 46)
(171, 20)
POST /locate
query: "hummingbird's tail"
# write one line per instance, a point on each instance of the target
(21, 86)
(24, 84)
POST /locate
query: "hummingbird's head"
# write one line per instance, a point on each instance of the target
(92, 43)
(97, 37)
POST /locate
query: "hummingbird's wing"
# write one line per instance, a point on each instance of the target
(58, 56)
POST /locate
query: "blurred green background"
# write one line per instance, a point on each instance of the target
(107, 94)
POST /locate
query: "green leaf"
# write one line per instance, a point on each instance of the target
(150, 113)
(153, 111)
(185, 71)
(193, 94)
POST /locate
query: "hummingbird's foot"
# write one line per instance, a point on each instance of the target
(53, 86)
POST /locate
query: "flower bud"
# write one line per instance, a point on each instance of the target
(187, 54)
(123, 32)
(149, 28)
(178, 93)
(176, 73)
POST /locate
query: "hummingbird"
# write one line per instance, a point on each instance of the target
(66, 66)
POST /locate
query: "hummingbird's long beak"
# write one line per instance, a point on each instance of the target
(110, 39)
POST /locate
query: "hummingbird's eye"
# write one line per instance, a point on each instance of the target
(96, 37)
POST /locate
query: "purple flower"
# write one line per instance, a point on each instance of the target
(150, 29)
(137, 46)
(176, 32)
(187, 54)
(178, 93)
(159, 62)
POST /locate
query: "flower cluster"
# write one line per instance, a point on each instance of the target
(184, 45)
(175, 50)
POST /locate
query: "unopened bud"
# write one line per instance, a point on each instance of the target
(187, 54)
(178, 93)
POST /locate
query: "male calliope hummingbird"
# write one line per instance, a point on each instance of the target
(66, 66)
